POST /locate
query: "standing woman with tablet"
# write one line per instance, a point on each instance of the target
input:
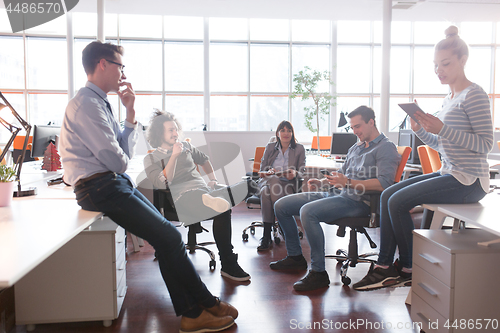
(463, 134)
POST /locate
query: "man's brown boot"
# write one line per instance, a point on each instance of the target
(221, 309)
(205, 322)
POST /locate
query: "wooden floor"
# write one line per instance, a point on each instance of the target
(266, 304)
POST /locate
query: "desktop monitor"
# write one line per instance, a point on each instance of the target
(42, 136)
(408, 138)
(341, 142)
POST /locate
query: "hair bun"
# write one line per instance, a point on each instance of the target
(451, 31)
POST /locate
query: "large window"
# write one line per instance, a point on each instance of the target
(240, 78)
(411, 64)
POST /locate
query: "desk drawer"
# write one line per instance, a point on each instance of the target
(120, 296)
(433, 259)
(120, 252)
(120, 273)
(423, 313)
(432, 291)
(119, 242)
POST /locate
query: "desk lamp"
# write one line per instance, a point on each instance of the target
(14, 130)
(343, 121)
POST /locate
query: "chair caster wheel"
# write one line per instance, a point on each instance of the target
(245, 237)
(277, 241)
(212, 265)
(346, 280)
(252, 230)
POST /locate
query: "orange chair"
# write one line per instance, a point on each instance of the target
(259, 152)
(498, 143)
(324, 143)
(19, 141)
(17, 145)
(429, 159)
(405, 152)
(351, 257)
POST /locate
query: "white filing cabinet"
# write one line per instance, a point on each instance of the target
(455, 281)
(85, 280)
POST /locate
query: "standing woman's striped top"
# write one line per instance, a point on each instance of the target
(466, 137)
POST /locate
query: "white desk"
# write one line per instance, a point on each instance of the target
(33, 228)
(314, 163)
(484, 214)
(42, 237)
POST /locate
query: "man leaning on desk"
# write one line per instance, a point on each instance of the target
(95, 153)
(370, 165)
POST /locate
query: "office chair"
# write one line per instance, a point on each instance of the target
(18, 148)
(253, 202)
(162, 200)
(351, 257)
(257, 159)
(429, 159)
(430, 162)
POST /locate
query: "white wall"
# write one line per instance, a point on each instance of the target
(247, 141)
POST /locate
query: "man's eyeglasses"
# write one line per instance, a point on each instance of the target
(117, 63)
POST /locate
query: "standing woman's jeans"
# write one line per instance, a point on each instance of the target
(114, 195)
(396, 225)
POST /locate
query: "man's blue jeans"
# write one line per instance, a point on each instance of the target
(396, 225)
(114, 195)
(313, 207)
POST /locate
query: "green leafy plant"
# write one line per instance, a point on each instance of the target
(6, 174)
(306, 84)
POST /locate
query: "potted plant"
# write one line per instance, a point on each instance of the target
(306, 85)
(7, 177)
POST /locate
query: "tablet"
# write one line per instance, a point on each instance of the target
(410, 109)
(282, 173)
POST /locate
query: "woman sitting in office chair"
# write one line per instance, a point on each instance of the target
(282, 165)
(173, 165)
(463, 134)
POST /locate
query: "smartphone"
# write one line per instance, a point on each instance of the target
(325, 172)
(411, 109)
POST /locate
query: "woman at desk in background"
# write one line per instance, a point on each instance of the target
(282, 165)
(463, 134)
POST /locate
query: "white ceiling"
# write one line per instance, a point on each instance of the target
(425, 10)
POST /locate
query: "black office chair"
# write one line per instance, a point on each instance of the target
(350, 258)
(162, 200)
(253, 202)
